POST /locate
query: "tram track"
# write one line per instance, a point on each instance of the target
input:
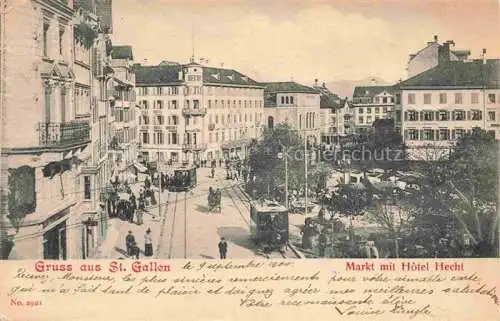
(163, 225)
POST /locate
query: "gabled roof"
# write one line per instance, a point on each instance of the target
(169, 74)
(214, 75)
(288, 87)
(473, 74)
(122, 52)
(157, 75)
(371, 91)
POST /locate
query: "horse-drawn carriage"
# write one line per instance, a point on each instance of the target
(214, 200)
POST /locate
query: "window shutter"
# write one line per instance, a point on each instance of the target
(421, 116)
(480, 115)
(453, 115)
(406, 115)
(469, 115)
(437, 115)
(453, 133)
(436, 134)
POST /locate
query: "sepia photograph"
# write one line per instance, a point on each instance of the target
(249, 129)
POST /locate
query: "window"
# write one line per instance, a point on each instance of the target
(411, 99)
(145, 120)
(384, 100)
(458, 98)
(459, 115)
(159, 104)
(427, 99)
(287, 101)
(491, 98)
(45, 38)
(412, 115)
(61, 41)
(398, 98)
(209, 103)
(474, 98)
(361, 110)
(444, 134)
(160, 120)
(385, 110)
(491, 116)
(145, 138)
(412, 134)
(216, 119)
(87, 190)
(368, 119)
(442, 98)
(458, 133)
(174, 104)
(427, 134)
(210, 137)
(291, 99)
(476, 115)
(216, 137)
(360, 119)
(368, 110)
(444, 115)
(428, 115)
(377, 109)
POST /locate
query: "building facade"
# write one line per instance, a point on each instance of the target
(123, 144)
(190, 112)
(331, 116)
(370, 103)
(433, 54)
(293, 104)
(438, 106)
(49, 118)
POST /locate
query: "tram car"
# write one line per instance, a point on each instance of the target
(182, 179)
(269, 225)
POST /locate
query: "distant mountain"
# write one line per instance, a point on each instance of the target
(345, 88)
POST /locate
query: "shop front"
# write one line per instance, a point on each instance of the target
(55, 242)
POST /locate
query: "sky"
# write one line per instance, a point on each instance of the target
(282, 40)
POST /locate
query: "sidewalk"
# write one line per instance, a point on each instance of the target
(114, 247)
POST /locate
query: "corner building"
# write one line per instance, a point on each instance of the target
(189, 113)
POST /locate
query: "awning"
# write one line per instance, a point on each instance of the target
(140, 167)
(69, 155)
(83, 155)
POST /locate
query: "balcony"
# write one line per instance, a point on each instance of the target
(157, 127)
(157, 111)
(171, 128)
(194, 147)
(58, 135)
(144, 127)
(194, 111)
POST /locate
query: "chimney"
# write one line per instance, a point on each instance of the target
(316, 82)
(373, 81)
(444, 52)
(435, 38)
(484, 56)
(324, 85)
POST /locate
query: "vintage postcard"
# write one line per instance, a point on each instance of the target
(249, 160)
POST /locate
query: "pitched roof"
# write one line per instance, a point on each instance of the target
(371, 91)
(157, 75)
(169, 74)
(288, 87)
(472, 74)
(221, 76)
(122, 52)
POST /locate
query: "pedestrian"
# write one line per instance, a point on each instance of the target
(222, 248)
(133, 207)
(213, 172)
(135, 250)
(322, 244)
(148, 243)
(129, 242)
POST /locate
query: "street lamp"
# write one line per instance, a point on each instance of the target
(280, 156)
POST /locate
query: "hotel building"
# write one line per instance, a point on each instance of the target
(438, 106)
(192, 112)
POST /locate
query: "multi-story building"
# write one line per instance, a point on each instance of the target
(49, 115)
(123, 145)
(433, 54)
(371, 103)
(331, 116)
(440, 105)
(294, 104)
(192, 112)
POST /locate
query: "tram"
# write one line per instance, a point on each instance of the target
(182, 179)
(269, 225)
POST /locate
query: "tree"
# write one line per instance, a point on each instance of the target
(457, 198)
(264, 160)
